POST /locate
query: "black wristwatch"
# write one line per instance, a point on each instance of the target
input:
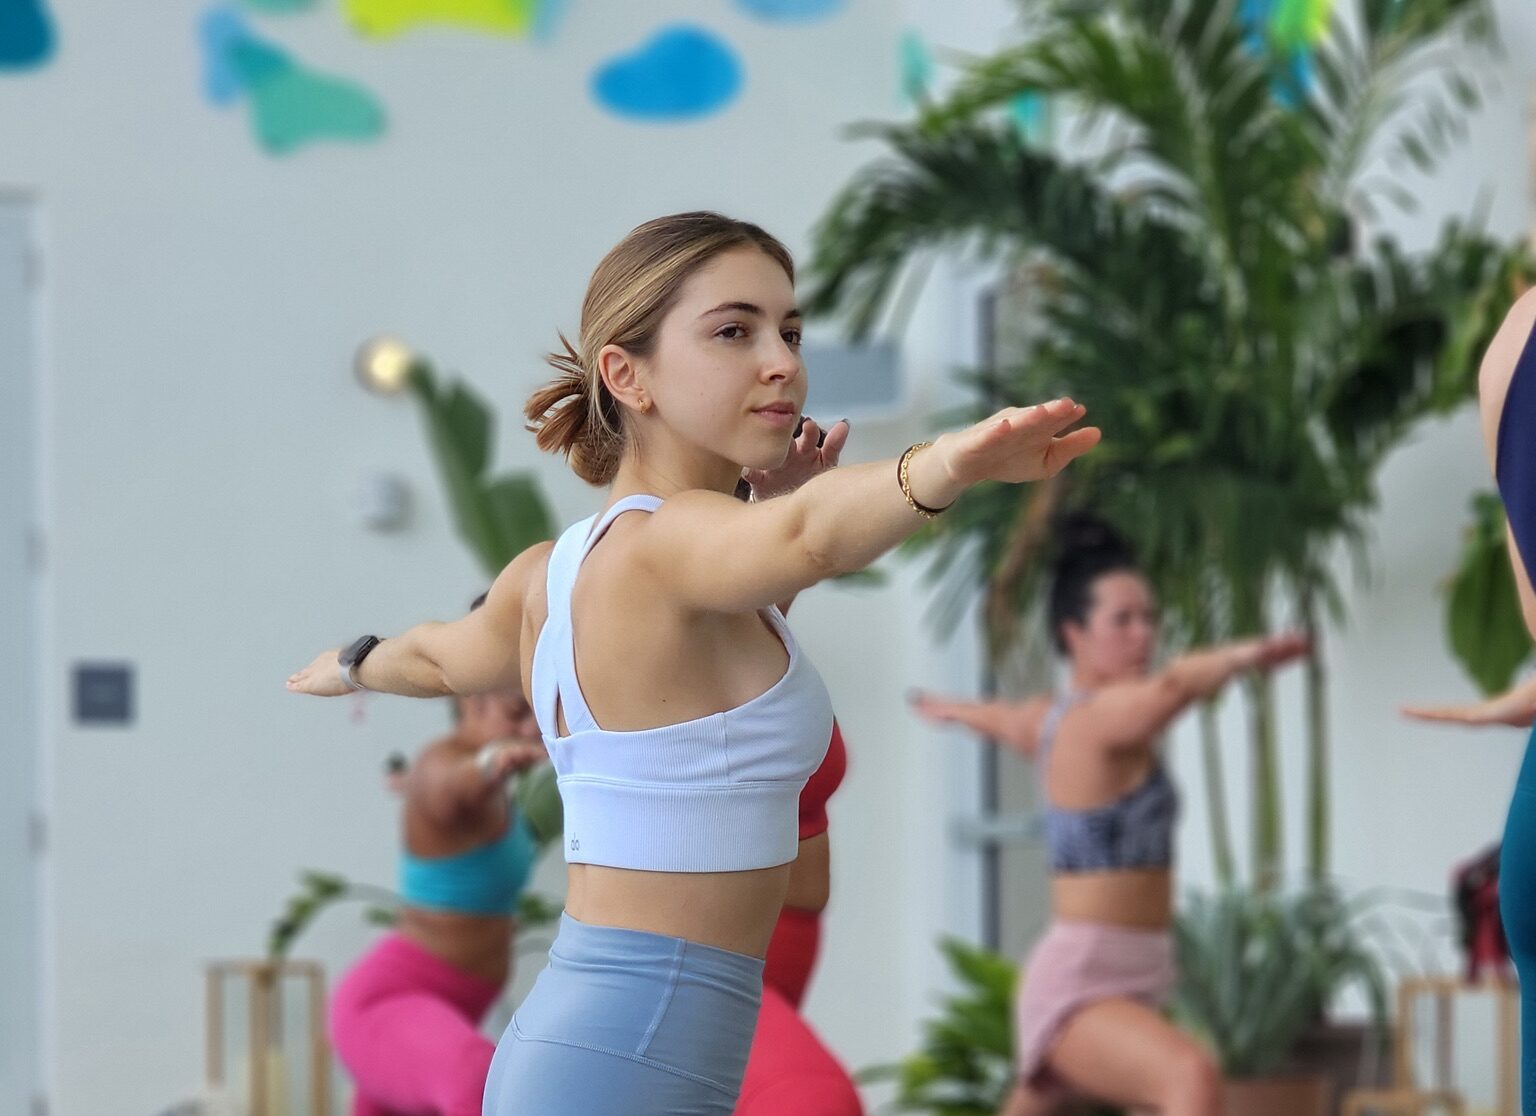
(351, 657)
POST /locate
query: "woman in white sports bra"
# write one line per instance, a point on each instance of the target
(680, 716)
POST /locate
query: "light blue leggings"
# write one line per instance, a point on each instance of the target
(626, 1023)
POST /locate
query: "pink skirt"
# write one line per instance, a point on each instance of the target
(1076, 964)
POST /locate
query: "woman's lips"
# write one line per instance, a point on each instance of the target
(776, 416)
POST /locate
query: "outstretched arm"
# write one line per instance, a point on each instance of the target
(468, 656)
(1515, 707)
(1016, 724)
(1129, 713)
(715, 554)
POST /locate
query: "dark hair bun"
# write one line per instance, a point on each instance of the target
(1087, 548)
(1082, 535)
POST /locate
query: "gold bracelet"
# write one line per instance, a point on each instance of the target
(906, 484)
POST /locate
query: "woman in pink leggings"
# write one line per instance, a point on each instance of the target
(405, 1019)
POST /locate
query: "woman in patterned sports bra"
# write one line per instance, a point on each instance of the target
(680, 715)
(1088, 1018)
(1507, 400)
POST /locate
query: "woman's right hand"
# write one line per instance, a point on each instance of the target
(1015, 445)
(1516, 708)
(322, 678)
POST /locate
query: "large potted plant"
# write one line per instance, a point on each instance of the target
(1200, 276)
(1201, 283)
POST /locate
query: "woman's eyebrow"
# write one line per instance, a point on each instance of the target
(747, 308)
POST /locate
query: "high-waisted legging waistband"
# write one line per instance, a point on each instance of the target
(625, 1021)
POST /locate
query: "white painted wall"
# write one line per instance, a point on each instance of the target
(204, 303)
(204, 438)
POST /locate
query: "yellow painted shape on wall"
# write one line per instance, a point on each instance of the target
(382, 18)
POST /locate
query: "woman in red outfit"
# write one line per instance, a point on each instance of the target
(790, 1070)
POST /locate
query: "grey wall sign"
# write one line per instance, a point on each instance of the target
(103, 694)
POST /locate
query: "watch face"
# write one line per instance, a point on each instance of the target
(359, 648)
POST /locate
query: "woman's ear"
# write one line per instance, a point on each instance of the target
(1071, 636)
(620, 374)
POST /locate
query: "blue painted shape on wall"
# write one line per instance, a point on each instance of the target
(292, 106)
(1293, 79)
(218, 32)
(792, 11)
(916, 66)
(681, 73)
(26, 34)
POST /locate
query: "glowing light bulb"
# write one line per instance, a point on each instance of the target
(383, 364)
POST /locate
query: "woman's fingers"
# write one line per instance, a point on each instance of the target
(320, 677)
(1069, 447)
(1451, 714)
(809, 437)
(832, 447)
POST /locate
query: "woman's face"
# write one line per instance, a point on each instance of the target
(1117, 638)
(726, 373)
(503, 716)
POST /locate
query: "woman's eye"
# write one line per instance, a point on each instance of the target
(731, 332)
(792, 336)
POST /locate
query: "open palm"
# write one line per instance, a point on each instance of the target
(1019, 444)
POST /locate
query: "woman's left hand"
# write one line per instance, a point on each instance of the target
(810, 454)
(321, 677)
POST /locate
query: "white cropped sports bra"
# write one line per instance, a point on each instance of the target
(715, 794)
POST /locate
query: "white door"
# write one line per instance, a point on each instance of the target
(20, 743)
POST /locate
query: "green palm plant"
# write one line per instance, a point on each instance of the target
(1483, 621)
(498, 517)
(1192, 275)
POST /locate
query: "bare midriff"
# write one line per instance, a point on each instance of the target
(477, 944)
(810, 876)
(727, 910)
(1134, 898)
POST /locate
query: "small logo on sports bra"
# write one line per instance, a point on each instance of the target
(575, 844)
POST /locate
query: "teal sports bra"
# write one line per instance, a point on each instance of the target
(485, 880)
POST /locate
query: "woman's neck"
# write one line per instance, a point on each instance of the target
(1085, 680)
(666, 474)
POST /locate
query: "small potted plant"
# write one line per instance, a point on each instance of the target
(1256, 971)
